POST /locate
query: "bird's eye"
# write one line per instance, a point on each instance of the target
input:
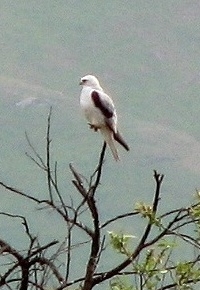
(84, 81)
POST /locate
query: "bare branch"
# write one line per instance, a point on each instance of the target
(121, 216)
(48, 165)
(78, 181)
(43, 261)
(40, 163)
(92, 263)
(141, 245)
(98, 171)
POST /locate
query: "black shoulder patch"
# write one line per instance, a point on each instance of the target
(106, 111)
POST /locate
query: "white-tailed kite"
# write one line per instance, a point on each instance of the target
(100, 112)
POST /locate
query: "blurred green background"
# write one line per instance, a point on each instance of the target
(146, 56)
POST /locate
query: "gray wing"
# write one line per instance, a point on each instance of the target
(106, 107)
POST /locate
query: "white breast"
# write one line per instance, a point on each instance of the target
(92, 114)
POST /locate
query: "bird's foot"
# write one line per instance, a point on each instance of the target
(95, 128)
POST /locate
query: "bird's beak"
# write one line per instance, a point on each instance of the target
(80, 83)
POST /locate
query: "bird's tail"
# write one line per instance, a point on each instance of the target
(108, 137)
(118, 137)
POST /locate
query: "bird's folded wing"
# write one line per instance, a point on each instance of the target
(103, 103)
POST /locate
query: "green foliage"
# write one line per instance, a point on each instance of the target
(185, 273)
(119, 242)
(146, 211)
(120, 284)
(152, 268)
(195, 214)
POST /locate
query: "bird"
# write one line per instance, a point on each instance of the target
(100, 113)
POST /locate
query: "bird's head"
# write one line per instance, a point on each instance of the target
(90, 81)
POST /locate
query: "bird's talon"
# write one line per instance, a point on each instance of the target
(93, 127)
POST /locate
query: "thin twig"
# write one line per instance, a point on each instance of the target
(48, 165)
(98, 171)
(121, 216)
(41, 163)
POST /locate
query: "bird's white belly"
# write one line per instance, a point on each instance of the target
(92, 114)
